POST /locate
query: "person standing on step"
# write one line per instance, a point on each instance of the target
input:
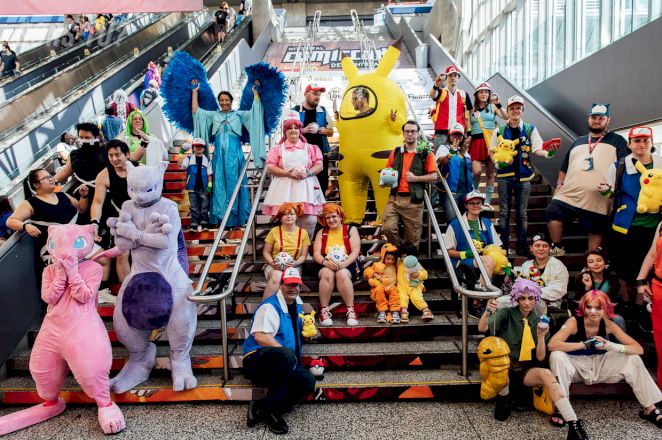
(198, 184)
(483, 123)
(451, 105)
(294, 165)
(272, 355)
(317, 127)
(139, 139)
(111, 185)
(337, 247)
(514, 180)
(286, 238)
(587, 162)
(221, 23)
(111, 126)
(519, 326)
(591, 348)
(629, 227)
(456, 169)
(405, 204)
(9, 64)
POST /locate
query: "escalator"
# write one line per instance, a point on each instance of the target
(54, 56)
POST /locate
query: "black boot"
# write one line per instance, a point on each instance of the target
(276, 423)
(254, 416)
(502, 408)
(576, 430)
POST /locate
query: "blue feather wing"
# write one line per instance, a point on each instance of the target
(272, 90)
(176, 90)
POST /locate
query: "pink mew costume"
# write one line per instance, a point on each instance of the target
(72, 334)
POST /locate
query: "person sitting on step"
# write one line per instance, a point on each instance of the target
(528, 350)
(382, 277)
(412, 288)
(585, 350)
(286, 246)
(272, 355)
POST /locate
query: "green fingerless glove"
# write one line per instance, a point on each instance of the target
(466, 254)
(209, 187)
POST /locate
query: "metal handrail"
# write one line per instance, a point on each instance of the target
(229, 289)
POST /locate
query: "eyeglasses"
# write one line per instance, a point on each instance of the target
(474, 203)
(49, 177)
(410, 131)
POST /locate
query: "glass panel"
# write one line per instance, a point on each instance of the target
(558, 36)
(590, 41)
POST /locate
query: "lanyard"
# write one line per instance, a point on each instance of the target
(591, 146)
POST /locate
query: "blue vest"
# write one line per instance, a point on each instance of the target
(321, 121)
(452, 173)
(523, 158)
(461, 241)
(285, 334)
(625, 203)
(191, 171)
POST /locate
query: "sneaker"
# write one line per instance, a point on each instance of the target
(253, 416)
(404, 316)
(576, 430)
(276, 423)
(381, 318)
(487, 208)
(427, 315)
(205, 227)
(502, 408)
(193, 228)
(557, 251)
(476, 310)
(325, 317)
(352, 320)
(105, 297)
(395, 317)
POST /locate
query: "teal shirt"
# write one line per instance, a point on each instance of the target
(488, 117)
(510, 326)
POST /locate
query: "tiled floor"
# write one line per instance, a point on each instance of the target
(605, 420)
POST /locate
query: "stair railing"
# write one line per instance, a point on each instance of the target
(490, 291)
(316, 25)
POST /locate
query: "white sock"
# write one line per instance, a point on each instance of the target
(564, 407)
(505, 391)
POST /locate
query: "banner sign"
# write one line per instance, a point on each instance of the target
(63, 7)
(326, 56)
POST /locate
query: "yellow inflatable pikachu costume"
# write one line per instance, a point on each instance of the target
(368, 133)
(650, 196)
(494, 363)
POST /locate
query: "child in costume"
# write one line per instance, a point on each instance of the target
(406, 290)
(294, 164)
(384, 290)
(72, 335)
(286, 246)
(198, 184)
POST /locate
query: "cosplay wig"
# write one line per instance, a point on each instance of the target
(287, 207)
(522, 285)
(330, 208)
(596, 296)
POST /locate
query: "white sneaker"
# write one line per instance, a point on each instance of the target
(325, 317)
(352, 320)
(105, 297)
(395, 318)
(557, 251)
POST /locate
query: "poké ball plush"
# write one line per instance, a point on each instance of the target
(309, 329)
(650, 196)
(412, 265)
(282, 259)
(388, 177)
(499, 257)
(368, 135)
(316, 368)
(494, 363)
(337, 254)
(504, 152)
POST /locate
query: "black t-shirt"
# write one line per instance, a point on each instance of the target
(294, 317)
(515, 134)
(311, 116)
(221, 16)
(198, 173)
(9, 61)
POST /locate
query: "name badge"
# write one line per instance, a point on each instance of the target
(587, 164)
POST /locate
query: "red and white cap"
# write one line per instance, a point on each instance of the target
(484, 86)
(198, 141)
(640, 132)
(515, 99)
(315, 88)
(291, 276)
(474, 195)
(452, 69)
(456, 128)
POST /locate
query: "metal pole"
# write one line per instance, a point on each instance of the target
(253, 234)
(465, 337)
(224, 335)
(430, 214)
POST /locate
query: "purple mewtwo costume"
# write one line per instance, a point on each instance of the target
(154, 294)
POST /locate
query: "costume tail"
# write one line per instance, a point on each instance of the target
(272, 90)
(30, 416)
(176, 90)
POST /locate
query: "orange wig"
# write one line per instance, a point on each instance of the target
(330, 208)
(287, 207)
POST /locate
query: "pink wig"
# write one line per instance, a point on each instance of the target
(287, 124)
(601, 298)
(522, 285)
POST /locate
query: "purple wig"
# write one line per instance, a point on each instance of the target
(522, 285)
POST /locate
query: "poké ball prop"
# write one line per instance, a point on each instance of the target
(494, 363)
(282, 260)
(650, 196)
(316, 368)
(388, 177)
(368, 135)
(337, 254)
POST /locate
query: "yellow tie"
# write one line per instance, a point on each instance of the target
(527, 343)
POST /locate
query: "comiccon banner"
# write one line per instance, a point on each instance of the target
(62, 7)
(326, 56)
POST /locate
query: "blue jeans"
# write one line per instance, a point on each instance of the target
(449, 214)
(509, 187)
(199, 200)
